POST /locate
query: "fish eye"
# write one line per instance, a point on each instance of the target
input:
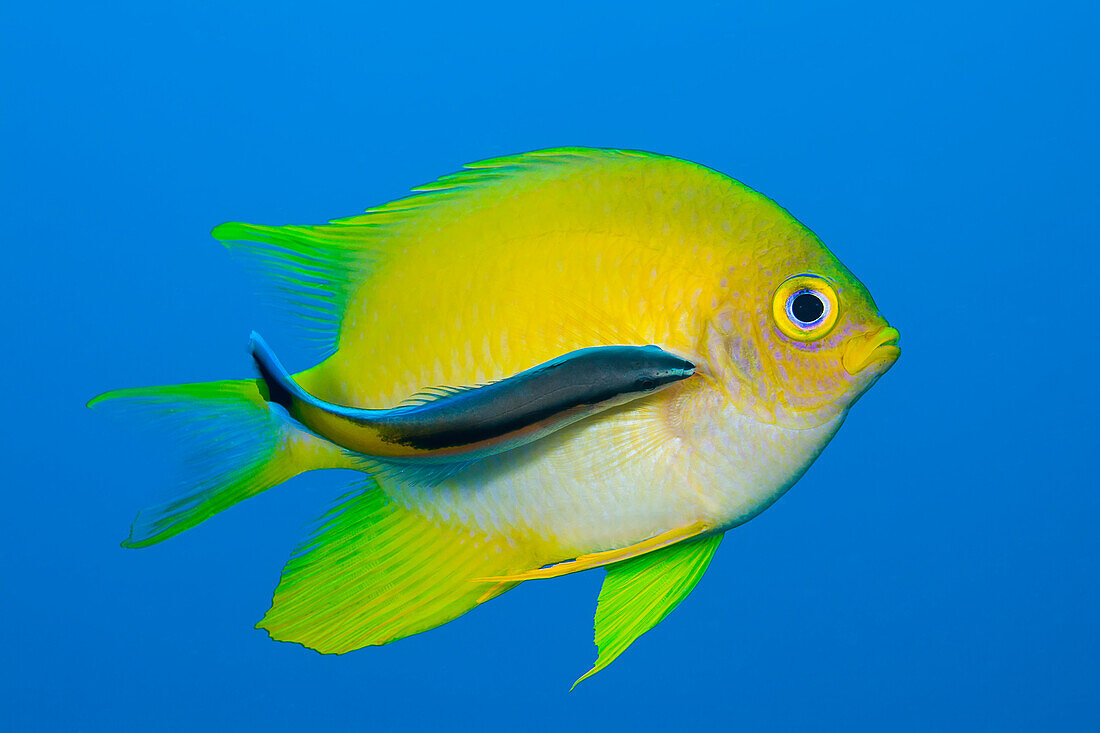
(645, 385)
(805, 307)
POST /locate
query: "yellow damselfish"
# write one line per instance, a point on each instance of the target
(508, 264)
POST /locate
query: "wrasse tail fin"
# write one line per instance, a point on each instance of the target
(640, 592)
(233, 445)
(281, 387)
(375, 572)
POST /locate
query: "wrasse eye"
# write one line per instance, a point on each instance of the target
(805, 307)
(645, 385)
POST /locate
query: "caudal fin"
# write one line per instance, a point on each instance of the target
(233, 443)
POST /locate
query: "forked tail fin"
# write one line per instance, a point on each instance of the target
(234, 445)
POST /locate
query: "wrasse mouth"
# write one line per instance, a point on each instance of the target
(882, 346)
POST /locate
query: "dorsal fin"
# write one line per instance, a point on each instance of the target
(312, 272)
(431, 394)
(309, 272)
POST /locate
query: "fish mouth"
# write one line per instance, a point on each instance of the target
(881, 346)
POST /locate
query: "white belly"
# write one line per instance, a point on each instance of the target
(622, 477)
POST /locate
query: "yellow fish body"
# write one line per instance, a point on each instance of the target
(486, 273)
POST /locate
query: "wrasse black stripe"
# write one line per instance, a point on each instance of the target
(477, 416)
(484, 419)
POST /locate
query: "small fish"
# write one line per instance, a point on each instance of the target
(519, 273)
(469, 423)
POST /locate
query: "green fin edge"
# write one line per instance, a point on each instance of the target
(640, 592)
(310, 273)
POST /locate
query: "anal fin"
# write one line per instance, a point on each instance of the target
(376, 571)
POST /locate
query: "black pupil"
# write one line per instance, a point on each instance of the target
(646, 384)
(807, 307)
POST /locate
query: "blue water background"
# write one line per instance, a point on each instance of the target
(935, 570)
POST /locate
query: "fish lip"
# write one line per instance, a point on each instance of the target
(880, 346)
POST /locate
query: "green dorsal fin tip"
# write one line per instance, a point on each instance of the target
(311, 273)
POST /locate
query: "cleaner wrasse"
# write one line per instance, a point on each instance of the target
(466, 423)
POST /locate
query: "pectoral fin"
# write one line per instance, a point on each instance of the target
(638, 593)
(598, 559)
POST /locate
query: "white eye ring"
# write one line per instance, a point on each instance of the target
(826, 308)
